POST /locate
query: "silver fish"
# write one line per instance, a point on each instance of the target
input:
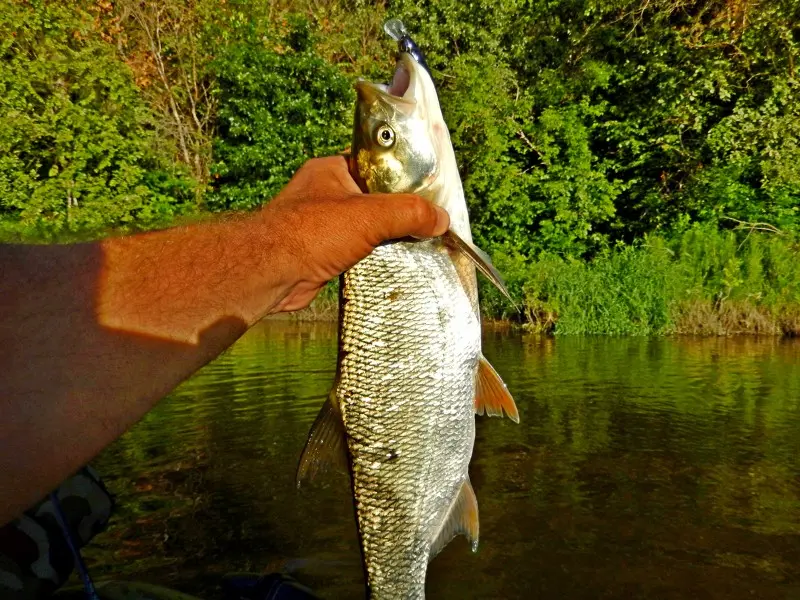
(410, 374)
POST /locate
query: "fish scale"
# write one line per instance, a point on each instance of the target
(410, 344)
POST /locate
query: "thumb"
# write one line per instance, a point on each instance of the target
(401, 215)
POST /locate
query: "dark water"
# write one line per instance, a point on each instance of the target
(642, 468)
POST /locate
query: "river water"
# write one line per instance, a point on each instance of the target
(642, 468)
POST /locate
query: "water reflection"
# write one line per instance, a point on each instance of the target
(643, 468)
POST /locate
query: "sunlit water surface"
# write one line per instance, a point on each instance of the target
(642, 468)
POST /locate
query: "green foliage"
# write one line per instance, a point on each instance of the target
(616, 118)
(75, 149)
(279, 104)
(739, 266)
(605, 145)
(625, 291)
(709, 90)
(701, 281)
(530, 175)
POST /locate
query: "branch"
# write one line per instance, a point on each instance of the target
(524, 138)
(754, 226)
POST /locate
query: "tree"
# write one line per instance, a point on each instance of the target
(280, 103)
(76, 141)
(169, 47)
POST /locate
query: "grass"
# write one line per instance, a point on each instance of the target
(704, 281)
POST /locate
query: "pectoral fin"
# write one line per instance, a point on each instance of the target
(491, 394)
(481, 260)
(326, 443)
(462, 518)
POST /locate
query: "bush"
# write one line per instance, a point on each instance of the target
(76, 147)
(279, 104)
(702, 281)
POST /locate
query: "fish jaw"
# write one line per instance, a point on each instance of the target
(409, 164)
(421, 160)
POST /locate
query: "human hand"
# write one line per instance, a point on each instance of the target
(329, 225)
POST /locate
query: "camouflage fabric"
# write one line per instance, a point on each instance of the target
(35, 558)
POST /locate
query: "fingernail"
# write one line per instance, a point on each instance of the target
(442, 221)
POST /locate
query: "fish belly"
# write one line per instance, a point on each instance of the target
(409, 349)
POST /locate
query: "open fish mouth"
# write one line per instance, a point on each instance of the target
(401, 82)
(399, 90)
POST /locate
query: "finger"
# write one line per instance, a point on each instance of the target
(392, 216)
(337, 167)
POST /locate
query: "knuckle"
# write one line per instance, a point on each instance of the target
(419, 211)
(312, 166)
(308, 165)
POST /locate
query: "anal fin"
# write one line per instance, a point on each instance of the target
(491, 394)
(326, 443)
(462, 519)
(480, 259)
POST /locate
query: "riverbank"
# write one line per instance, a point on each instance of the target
(696, 319)
(703, 281)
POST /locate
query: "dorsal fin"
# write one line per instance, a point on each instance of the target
(491, 394)
(462, 519)
(326, 443)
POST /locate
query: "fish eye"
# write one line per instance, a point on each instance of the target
(385, 136)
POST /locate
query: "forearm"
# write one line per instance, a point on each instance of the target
(175, 284)
(93, 335)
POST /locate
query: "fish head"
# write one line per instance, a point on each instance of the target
(395, 143)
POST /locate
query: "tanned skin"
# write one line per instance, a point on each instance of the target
(93, 335)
